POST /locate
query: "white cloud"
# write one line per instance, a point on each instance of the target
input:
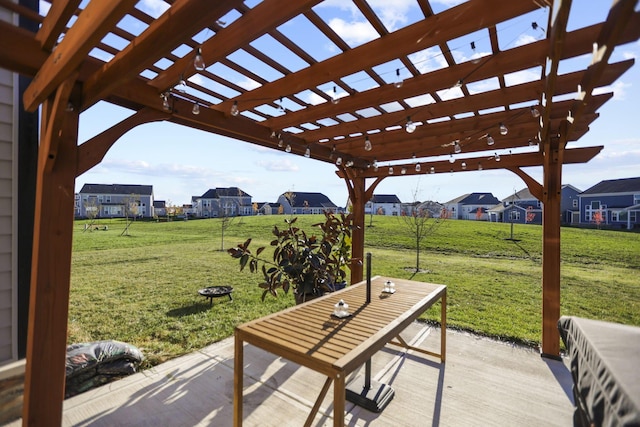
(248, 84)
(524, 39)
(520, 77)
(155, 8)
(279, 165)
(429, 60)
(354, 32)
(619, 90)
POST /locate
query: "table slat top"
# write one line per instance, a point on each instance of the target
(309, 335)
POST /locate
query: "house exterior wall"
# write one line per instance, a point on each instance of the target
(382, 208)
(8, 214)
(612, 208)
(112, 205)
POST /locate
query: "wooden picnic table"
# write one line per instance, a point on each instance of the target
(309, 335)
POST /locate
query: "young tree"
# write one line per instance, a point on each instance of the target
(530, 214)
(478, 213)
(598, 218)
(130, 206)
(422, 223)
(91, 209)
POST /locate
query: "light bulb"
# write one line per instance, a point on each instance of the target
(490, 140)
(196, 109)
(334, 98)
(165, 102)
(403, 171)
(367, 144)
(534, 112)
(339, 161)
(432, 170)
(451, 159)
(503, 129)
(234, 109)
(182, 85)
(476, 58)
(456, 147)
(307, 152)
(288, 148)
(464, 165)
(349, 163)
(479, 166)
(410, 127)
(280, 106)
(280, 142)
(375, 165)
(457, 84)
(418, 167)
(399, 80)
(273, 134)
(198, 61)
(390, 170)
(497, 157)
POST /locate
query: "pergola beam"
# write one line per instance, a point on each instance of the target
(181, 21)
(55, 22)
(91, 26)
(447, 25)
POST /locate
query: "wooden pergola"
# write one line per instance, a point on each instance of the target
(355, 126)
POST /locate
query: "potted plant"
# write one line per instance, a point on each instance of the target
(309, 264)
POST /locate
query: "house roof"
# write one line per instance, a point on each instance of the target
(523, 194)
(216, 193)
(314, 200)
(143, 190)
(625, 185)
(159, 204)
(475, 199)
(385, 198)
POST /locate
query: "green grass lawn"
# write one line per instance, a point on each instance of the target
(142, 288)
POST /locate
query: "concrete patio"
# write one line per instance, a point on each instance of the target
(484, 382)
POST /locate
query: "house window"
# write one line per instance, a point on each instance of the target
(575, 203)
(636, 199)
(107, 199)
(632, 216)
(514, 215)
(595, 205)
(615, 216)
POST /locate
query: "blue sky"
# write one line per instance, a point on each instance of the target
(180, 162)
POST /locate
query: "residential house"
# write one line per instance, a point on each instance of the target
(115, 201)
(520, 208)
(569, 204)
(296, 202)
(267, 208)
(434, 208)
(614, 202)
(223, 202)
(383, 204)
(472, 206)
(160, 208)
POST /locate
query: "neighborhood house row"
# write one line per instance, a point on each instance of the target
(614, 203)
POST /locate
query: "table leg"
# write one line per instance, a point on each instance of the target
(238, 366)
(339, 396)
(443, 326)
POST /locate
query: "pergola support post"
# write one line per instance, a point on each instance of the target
(51, 262)
(553, 148)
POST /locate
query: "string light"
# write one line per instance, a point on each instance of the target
(403, 171)
(432, 170)
(390, 170)
(339, 161)
(234, 109)
(451, 159)
(333, 152)
(334, 98)
(418, 167)
(182, 85)
(503, 129)
(367, 144)
(307, 152)
(399, 80)
(280, 106)
(497, 157)
(196, 109)
(479, 166)
(349, 163)
(490, 140)
(464, 165)
(456, 147)
(375, 164)
(534, 112)
(165, 101)
(198, 61)
(410, 127)
(475, 55)
(288, 148)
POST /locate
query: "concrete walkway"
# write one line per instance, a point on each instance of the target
(484, 382)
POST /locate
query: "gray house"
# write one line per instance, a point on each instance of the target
(219, 202)
(114, 201)
(296, 202)
(614, 202)
(472, 206)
